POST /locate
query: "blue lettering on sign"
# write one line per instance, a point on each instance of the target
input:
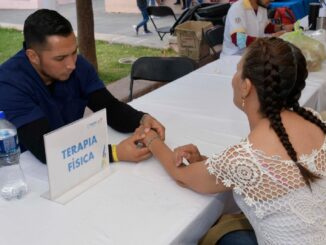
(80, 161)
(74, 149)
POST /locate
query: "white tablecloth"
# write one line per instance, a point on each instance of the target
(140, 203)
(314, 94)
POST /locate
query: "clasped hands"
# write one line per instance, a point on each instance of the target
(129, 149)
(136, 148)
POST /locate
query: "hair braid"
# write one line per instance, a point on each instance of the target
(277, 125)
(273, 110)
(267, 95)
(278, 74)
(308, 115)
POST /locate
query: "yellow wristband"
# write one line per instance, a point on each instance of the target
(114, 153)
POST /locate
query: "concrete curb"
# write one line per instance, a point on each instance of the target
(120, 88)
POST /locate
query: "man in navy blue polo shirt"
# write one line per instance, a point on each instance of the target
(47, 85)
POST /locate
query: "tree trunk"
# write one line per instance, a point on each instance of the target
(85, 24)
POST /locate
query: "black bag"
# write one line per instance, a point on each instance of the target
(215, 13)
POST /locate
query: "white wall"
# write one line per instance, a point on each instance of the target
(32, 4)
(130, 6)
(18, 4)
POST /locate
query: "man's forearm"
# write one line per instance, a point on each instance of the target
(31, 137)
(120, 116)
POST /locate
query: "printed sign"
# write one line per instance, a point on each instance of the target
(75, 153)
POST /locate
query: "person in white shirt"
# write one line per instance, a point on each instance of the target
(278, 172)
(246, 20)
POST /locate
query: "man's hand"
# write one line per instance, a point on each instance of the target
(149, 122)
(288, 28)
(127, 150)
(189, 152)
(281, 29)
(278, 34)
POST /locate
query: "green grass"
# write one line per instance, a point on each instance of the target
(11, 41)
(108, 55)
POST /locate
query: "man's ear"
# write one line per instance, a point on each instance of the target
(33, 56)
(246, 87)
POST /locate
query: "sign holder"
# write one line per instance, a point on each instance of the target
(77, 157)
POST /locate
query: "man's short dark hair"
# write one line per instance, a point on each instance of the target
(43, 23)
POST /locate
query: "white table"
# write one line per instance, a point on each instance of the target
(314, 94)
(140, 203)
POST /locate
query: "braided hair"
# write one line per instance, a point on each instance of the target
(278, 71)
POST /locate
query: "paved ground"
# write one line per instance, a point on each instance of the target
(111, 27)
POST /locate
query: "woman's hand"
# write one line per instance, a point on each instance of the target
(149, 137)
(189, 152)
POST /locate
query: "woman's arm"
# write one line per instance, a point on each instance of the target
(195, 176)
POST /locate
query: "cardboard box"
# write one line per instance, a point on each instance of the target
(191, 42)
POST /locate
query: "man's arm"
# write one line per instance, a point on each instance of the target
(278, 30)
(31, 137)
(241, 39)
(120, 116)
(274, 28)
(124, 118)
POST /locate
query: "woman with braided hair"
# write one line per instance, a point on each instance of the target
(278, 172)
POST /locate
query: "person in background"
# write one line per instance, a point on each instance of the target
(278, 172)
(246, 20)
(47, 85)
(142, 6)
(151, 2)
(190, 2)
(183, 3)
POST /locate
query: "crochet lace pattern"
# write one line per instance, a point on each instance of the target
(273, 195)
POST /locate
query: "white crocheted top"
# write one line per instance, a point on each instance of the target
(272, 194)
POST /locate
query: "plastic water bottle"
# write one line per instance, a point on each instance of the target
(12, 180)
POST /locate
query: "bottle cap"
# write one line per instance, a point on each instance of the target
(2, 115)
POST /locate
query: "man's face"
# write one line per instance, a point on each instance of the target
(57, 58)
(263, 3)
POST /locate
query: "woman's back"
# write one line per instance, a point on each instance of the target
(303, 135)
(296, 218)
(272, 193)
(293, 213)
(269, 187)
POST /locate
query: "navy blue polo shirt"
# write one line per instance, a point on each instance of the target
(25, 98)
